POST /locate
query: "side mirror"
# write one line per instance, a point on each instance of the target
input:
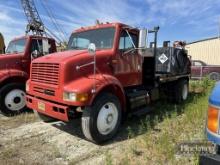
(45, 46)
(142, 43)
(142, 39)
(35, 54)
(91, 49)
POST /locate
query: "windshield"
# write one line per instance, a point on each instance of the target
(102, 38)
(16, 46)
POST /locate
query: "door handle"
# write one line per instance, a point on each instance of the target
(114, 61)
(24, 61)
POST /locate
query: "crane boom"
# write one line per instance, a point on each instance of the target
(35, 23)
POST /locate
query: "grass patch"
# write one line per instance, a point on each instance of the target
(16, 121)
(154, 137)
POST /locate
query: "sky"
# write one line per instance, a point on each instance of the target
(188, 20)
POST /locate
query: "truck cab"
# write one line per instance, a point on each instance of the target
(106, 72)
(15, 70)
(2, 44)
(212, 128)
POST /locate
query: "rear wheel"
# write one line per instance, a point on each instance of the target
(181, 91)
(214, 76)
(101, 121)
(12, 99)
(44, 118)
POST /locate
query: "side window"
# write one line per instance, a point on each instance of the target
(37, 45)
(42, 46)
(125, 42)
(79, 43)
(196, 63)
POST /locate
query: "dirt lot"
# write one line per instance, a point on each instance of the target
(141, 140)
(35, 142)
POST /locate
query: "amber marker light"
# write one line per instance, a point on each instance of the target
(212, 122)
(71, 96)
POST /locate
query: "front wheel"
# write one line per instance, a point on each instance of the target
(100, 122)
(12, 99)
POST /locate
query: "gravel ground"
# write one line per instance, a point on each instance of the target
(51, 143)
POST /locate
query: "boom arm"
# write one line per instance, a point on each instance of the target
(35, 23)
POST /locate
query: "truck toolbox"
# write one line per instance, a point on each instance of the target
(48, 108)
(171, 61)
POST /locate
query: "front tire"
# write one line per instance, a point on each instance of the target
(100, 122)
(12, 99)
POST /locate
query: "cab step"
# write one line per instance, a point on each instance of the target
(141, 112)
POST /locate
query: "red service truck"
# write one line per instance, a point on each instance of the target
(15, 69)
(107, 71)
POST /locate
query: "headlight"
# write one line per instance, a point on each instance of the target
(212, 122)
(27, 87)
(71, 96)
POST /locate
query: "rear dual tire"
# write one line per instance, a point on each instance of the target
(100, 122)
(178, 91)
(181, 91)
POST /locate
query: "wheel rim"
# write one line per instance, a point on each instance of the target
(185, 92)
(15, 100)
(214, 77)
(107, 118)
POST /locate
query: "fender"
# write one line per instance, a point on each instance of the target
(102, 82)
(10, 73)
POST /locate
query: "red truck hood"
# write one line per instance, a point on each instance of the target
(60, 56)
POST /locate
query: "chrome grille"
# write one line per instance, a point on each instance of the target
(47, 73)
(44, 91)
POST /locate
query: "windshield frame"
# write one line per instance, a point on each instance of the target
(69, 47)
(24, 40)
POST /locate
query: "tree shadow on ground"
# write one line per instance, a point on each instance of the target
(133, 125)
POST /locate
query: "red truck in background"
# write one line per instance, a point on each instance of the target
(15, 69)
(117, 74)
(200, 69)
(2, 44)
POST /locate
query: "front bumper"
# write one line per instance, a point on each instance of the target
(48, 108)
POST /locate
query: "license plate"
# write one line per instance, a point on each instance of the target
(41, 106)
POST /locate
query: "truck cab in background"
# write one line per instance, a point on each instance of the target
(2, 44)
(107, 71)
(212, 127)
(15, 69)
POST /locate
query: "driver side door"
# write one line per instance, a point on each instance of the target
(128, 68)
